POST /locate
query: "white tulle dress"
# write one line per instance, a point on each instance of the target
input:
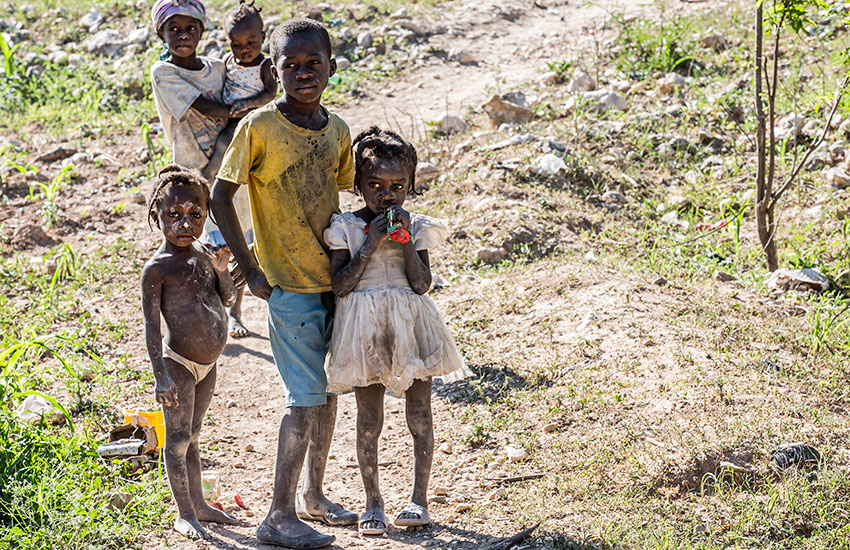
(383, 331)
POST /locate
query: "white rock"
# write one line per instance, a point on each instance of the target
(499, 493)
(590, 256)
(139, 36)
(461, 56)
(603, 100)
(58, 57)
(426, 172)
(452, 124)
(581, 81)
(798, 279)
(416, 27)
(549, 79)
(91, 20)
(549, 164)
(838, 177)
(446, 448)
(342, 63)
(515, 454)
(365, 39)
(613, 197)
(107, 42)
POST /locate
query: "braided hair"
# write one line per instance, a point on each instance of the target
(244, 14)
(172, 176)
(376, 144)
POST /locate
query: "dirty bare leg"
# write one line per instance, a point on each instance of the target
(234, 317)
(203, 511)
(317, 458)
(178, 436)
(370, 422)
(293, 439)
(417, 405)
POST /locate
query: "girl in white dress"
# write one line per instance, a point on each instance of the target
(387, 331)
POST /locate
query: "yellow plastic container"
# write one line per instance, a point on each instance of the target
(154, 418)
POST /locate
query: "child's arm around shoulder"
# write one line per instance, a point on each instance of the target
(268, 94)
(153, 278)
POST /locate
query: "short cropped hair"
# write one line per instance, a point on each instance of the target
(300, 25)
(376, 144)
(172, 176)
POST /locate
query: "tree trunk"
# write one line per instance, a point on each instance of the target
(764, 217)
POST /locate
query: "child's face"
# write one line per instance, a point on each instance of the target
(384, 185)
(181, 34)
(182, 213)
(303, 68)
(246, 41)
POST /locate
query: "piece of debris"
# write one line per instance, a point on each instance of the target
(724, 277)
(32, 408)
(516, 479)
(452, 124)
(508, 542)
(118, 501)
(59, 153)
(446, 448)
(491, 254)
(501, 492)
(787, 455)
(463, 507)
(549, 428)
(806, 279)
(549, 165)
(515, 454)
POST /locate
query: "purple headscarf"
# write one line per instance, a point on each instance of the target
(164, 9)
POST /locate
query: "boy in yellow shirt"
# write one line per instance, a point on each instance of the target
(294, 156)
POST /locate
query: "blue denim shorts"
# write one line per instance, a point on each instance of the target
(300, 327)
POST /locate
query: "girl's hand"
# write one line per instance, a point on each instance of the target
(239, 107)
(166, 392)
(401, 215)
(378, 230)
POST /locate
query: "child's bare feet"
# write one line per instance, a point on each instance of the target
(235, 326)
(208, 513)
(189, 527)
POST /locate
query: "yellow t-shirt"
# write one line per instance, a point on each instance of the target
(294, 176)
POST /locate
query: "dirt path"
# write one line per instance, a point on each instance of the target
(511, 43)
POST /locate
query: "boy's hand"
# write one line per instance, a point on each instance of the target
(240, 106)
(219, 257)
(166, 392)
(258, 283)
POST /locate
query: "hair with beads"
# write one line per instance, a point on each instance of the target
(376, 144)
(172, 176)
(244, 14)
(299, 25)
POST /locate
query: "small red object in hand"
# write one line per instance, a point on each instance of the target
(238, 500)
(400, 235)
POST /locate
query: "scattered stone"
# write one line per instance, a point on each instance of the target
(427, 543)
(230, 403)
(807, 279)
(499, 493)
(446, 448)
(452, 124)
(549, 79)
(736, 473)
(461, 56)
(590, 256)
(76, 60)
(58, 153)
(613, 197)
(91, 21)
(838, 177)
(415, 27)
(491, 254)
(604, 100)
(57, 418)
(249, 448)
(108, 42)
(549, 165)
(844, 129)
(724, 277)
(715, 42)
(463, 507)
(28, 235)
(426, 172)
(549, 428)
(837, 152)
(515, 454)
(661, 281)
(342, 63)
(58, 57)
(581, 81)
(518, 139)
(437, 499)
(511, 108)
(87, 376)
(365, 39)
(671, 82)
(139, 198)
(441, 491)
(118, 501)
(140, 36)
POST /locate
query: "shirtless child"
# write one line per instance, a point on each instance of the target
(190, 288)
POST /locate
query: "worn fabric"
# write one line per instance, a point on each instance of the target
(242, 81)
(300, 326)
(162, 10)
(384, 332)
(293, 176)
(198, 370)
(191, 134)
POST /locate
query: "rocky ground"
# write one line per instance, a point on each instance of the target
(615, 389)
